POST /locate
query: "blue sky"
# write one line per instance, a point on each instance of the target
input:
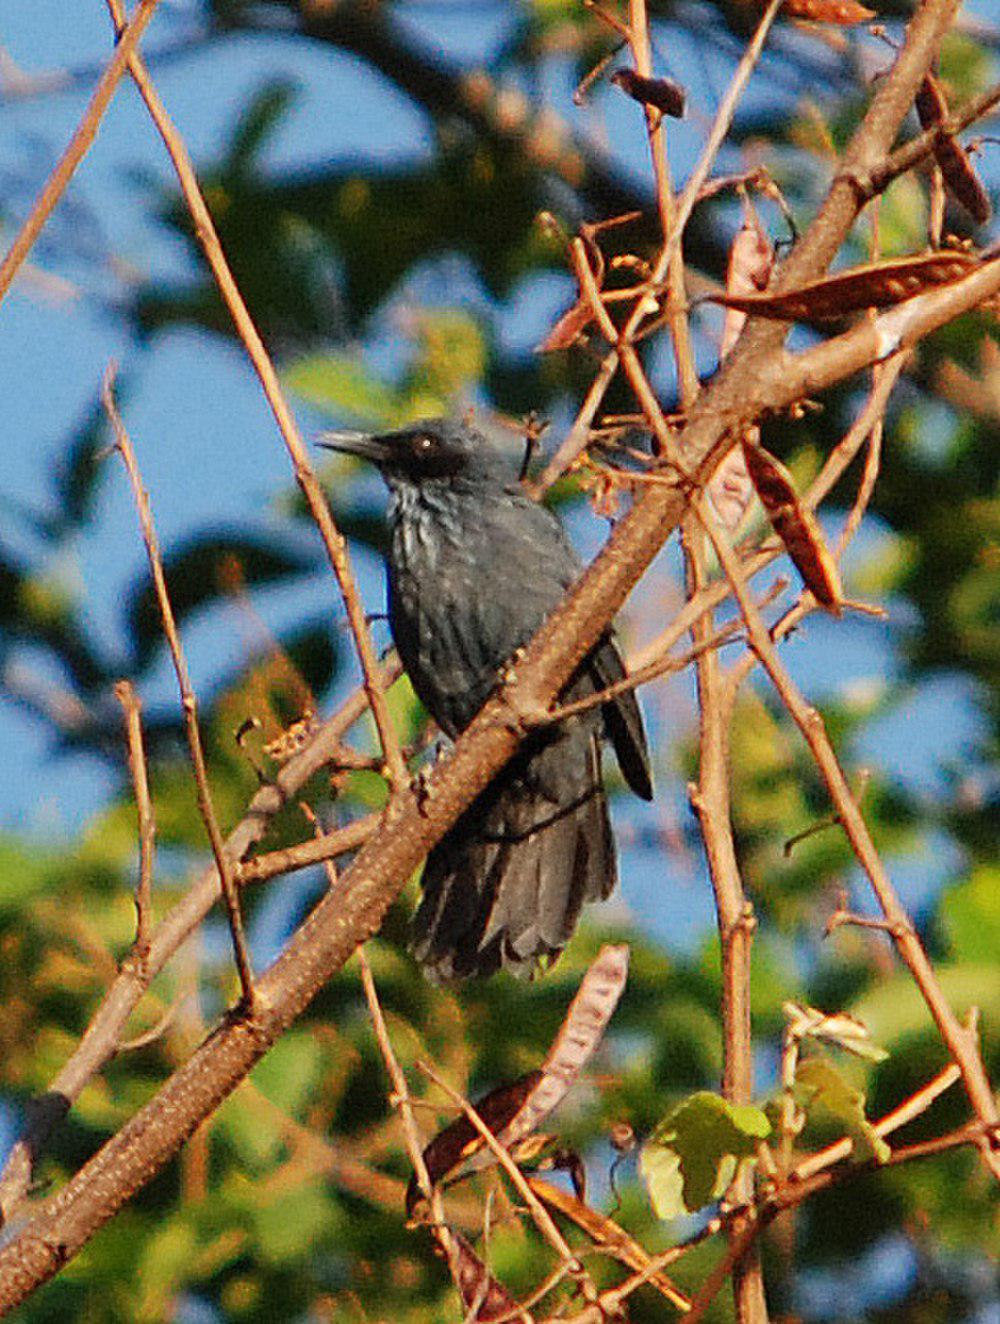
(206, 441)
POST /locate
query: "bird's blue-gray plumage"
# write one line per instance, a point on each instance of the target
(474, 567)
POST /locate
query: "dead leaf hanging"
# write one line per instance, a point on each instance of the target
(875, 285)
(796, 526)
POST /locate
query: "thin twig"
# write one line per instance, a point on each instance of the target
(711, 801)
(960, 1042)
(912, 1107)
(289, 858)
(670, 222)
(78, 145)
(189, 702)
(333, 540)
(132, 707)
(401, 1100)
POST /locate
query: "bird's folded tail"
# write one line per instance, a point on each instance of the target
(505, 887)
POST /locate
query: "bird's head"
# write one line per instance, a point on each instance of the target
(433, 448)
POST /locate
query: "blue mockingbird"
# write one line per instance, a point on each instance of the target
(474, 568)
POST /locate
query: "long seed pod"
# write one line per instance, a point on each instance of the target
(957, 170)
(876, 285)
(845, 13)
(515, 1110)
(796, 526)
(481, 1293)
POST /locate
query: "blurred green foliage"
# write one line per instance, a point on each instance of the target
(287, 1205)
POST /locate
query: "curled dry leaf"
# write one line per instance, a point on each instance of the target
(730, 489)
(876, 285)
(796, 526)
(751, 261)
(482, 1295)
(515, 1110)
(663, 93)
(957, 170)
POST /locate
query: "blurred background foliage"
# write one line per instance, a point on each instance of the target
(391, 289)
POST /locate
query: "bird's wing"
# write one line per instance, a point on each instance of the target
(622, 718)
(556, 567)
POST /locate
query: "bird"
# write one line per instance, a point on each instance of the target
(474, 567)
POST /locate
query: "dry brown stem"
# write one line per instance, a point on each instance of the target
(962, 1044)
(132, 708)
(83, 136)
(333, 540)
(189, 701)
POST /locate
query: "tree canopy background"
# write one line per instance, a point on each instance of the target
(376, 173)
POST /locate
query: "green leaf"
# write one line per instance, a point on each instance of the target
(970, 914)
(289, 1072)
(821, 1089)
(342, 385)
(660, 1169)
(703, 1139)
(288, 1227)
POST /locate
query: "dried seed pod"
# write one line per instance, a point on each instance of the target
(796, 526)
(514, 1111)
(876, 285)
(568, 330)
(460, 1139)
(957, 170)
(663, 93)
(845, 13)
(482, 1294)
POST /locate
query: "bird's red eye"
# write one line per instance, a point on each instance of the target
(423, 444)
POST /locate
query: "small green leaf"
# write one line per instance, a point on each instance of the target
(660, 1169)
(704, 1137)
(820, 1088)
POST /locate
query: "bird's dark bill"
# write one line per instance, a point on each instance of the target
(349, 442)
